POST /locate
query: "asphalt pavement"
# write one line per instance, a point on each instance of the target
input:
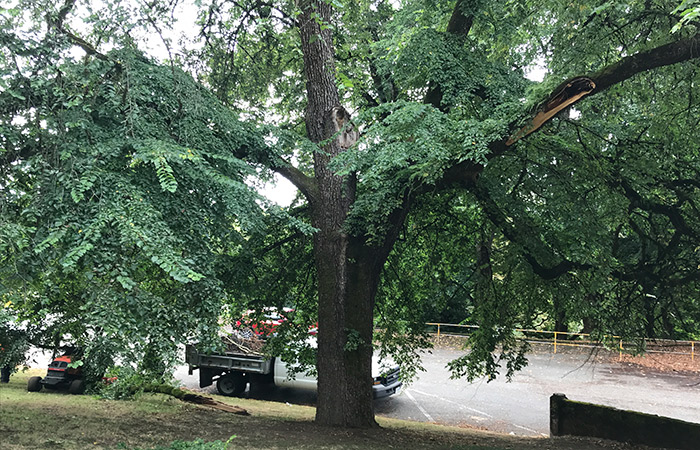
(519, 407)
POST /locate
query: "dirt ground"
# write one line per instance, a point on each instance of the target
(662, 362)
(659, 358)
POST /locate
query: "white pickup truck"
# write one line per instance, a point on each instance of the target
(233, 371)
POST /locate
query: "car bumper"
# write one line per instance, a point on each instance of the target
(381, 391)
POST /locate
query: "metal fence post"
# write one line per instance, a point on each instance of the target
(620, 349)
(438, 336)
(555, 342)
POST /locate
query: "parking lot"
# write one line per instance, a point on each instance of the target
(521, 407)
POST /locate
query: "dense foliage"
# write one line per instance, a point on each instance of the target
(122, 198)
(126, 221)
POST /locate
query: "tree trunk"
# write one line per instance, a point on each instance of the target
(345, 336)
(561, 322)
(347, 271)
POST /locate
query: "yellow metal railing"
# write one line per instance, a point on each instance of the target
(578, 340)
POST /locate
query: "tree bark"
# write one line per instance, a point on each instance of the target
(347, 271)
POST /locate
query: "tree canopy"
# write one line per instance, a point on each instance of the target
(474, 191)
(123, 197)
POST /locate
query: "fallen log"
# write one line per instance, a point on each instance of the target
(208, 401)
(189, 397)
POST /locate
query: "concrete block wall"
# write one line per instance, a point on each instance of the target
(586, 419)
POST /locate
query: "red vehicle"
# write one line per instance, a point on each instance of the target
(59, 376)
(268, 323)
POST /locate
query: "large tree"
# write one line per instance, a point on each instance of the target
(350, 257)
(449, 119)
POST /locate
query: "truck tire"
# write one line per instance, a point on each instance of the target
(34, 384)
(231, 384)
(77, 387)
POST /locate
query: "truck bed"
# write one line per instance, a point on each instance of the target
(228, 361)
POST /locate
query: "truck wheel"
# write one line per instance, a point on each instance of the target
(34, 384)
(77, 387)
(231, 384)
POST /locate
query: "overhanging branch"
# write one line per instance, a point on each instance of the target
(525, 235)
(572, 91)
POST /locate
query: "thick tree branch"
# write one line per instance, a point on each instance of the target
(524, 235)
(57, 23)
(646, 272)
(383, 84)
(665, 55)
(575, 89)
(460, 24)
(306, 184)
(672, 213)
(563, 96)
(371, 101)
(82, 43)
(465, 174)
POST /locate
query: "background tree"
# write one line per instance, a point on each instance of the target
(14, 342)
(97, 232)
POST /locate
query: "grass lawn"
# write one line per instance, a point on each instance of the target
(57, 420)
